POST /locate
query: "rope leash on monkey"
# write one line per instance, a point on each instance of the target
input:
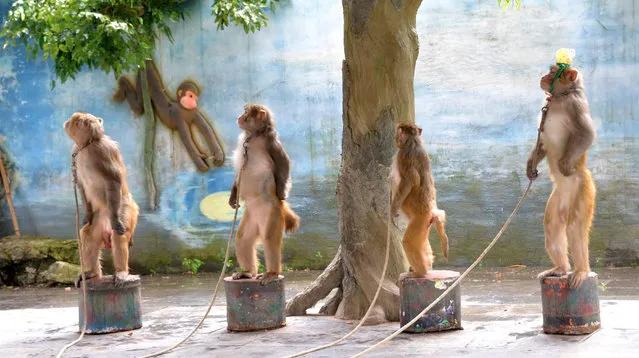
(226, 259)
(74, 173)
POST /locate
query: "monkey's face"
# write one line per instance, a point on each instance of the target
(188, 100)
(253, 119)
(82, 127)
(405, 131)
(565, 80)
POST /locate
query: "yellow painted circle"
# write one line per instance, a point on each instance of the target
(216, 206)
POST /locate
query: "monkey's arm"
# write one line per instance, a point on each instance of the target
(164, 106)
(189, 144)
(88, 208)
(109, 169)
(531, 168)
(211, 137)
(406, 184)
(282, 167)
(580, 138)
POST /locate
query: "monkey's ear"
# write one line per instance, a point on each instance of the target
(419, 130)
(261, 115)
(100, 120)
(179, 93)
(572, 74)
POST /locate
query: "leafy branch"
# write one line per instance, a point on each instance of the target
(110, 35)
(248, 14)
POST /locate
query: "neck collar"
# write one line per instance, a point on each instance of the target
(563, 93)
(81, 148)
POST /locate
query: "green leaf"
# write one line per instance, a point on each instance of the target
(110, 35)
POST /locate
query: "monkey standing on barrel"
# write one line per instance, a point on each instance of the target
(413, 192)
(262, 168)
(110, 213)
(566, 135)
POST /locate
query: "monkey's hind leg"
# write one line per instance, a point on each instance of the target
(416, 246)
(555, 221)
(121, 258)
(91, 244)
(133, 95)
(273, 245)
(579, 223)
(245, 241)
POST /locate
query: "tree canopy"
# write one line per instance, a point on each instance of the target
(110, 35)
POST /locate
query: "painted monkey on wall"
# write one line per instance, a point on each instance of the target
(178, 115)
(566, 135)
(264, 182)
(413, 192)
(110, 213)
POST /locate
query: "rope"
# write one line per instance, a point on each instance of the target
(80, 248)
(478, 260)
(226, 259)
(217, 286)
(370, 308)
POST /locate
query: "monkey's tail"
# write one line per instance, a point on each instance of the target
(439, 218)
(291, 220)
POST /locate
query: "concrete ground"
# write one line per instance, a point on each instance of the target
(501, 318)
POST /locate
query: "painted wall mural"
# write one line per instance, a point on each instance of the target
(181, 115)
(477, 97)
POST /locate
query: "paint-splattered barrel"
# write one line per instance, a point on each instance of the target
(569, 311)
(251, 306)
(416, 293)
(109, 308)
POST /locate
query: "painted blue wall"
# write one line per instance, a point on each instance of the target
(477, 96)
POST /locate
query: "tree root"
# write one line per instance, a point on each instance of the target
(320, 288)
(331, 305)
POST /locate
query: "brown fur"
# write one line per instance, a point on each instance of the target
(413, 192)
(111, 214)
(566, 135)
(264, 181)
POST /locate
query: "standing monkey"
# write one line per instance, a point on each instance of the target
(262, 168)
(110, 213)
(413, 192)
(566, 135)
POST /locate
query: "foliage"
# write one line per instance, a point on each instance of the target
(505, 4)
(193, 265)
(248, 14)
(110, 35)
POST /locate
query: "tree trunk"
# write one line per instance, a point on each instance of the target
(381, 47)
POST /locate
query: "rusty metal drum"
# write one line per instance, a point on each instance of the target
(109, 308)
(571, 312)
(251, 306)
(419, 292)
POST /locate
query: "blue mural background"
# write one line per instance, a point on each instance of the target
(477, 97)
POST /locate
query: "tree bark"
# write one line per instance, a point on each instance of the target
(381, 47)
